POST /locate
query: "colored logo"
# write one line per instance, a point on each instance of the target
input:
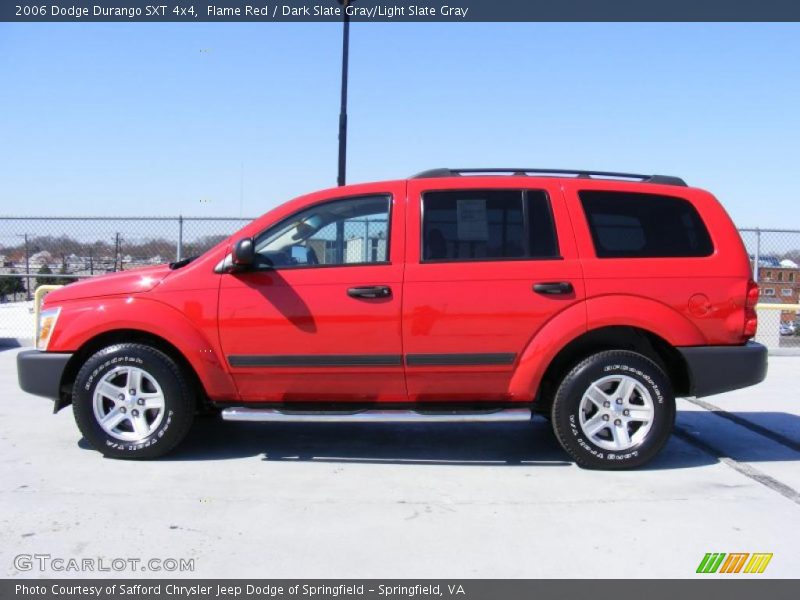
(735, 562)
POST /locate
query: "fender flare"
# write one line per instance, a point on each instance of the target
(125, 314)
(617, 310)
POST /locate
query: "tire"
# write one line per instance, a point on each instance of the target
(146, 424)
(614, 410)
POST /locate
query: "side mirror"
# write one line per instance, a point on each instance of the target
(244, 253)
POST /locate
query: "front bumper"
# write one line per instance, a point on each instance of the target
(40, 373)
(717, 369)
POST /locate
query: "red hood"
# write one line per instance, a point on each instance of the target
(126, 282)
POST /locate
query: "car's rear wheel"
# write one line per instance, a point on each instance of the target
(132, 401)
(614, 410)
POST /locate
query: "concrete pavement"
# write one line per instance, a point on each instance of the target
(381, 501)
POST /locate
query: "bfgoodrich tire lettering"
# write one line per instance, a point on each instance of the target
(132, 401)
(614, 410)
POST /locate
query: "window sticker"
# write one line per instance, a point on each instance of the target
(472, 220)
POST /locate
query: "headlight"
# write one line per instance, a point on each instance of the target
(45, 327)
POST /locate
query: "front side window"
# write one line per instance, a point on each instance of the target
(634, 225)
(473, 225)
(354, 231)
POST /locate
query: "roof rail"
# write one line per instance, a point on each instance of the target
(581, 173)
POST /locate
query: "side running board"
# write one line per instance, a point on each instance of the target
(376, 416)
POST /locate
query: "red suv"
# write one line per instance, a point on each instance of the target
(465, 295)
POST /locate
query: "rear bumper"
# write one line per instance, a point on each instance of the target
(717, 369)
(40, 373)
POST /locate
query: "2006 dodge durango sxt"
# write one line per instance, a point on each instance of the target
(456, 295)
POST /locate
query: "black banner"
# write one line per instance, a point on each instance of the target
(375, 589)
(190, 11)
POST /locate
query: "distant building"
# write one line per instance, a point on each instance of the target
(779, 281)
(41, 258)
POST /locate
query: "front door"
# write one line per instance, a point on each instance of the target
(318, 319)
(486, 272)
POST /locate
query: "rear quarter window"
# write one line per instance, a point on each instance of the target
(636, 225)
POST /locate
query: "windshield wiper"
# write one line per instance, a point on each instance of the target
(181, 263)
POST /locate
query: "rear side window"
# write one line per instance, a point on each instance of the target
(473, 225)
(633, 225)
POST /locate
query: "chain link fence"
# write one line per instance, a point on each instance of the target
(38, 251)
(775, 259)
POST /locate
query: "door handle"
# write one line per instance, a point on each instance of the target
(372, 291)
(552, 288)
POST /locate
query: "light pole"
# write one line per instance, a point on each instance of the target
(27, 267)
(340, 180)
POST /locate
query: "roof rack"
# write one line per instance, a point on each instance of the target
(580, 173)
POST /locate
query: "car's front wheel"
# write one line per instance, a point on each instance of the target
(614, 410)
(132, 401)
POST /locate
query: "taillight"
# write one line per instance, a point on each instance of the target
(750, 315)
(752, 294)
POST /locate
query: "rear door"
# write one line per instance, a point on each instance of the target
(485, 271)
(320, 321)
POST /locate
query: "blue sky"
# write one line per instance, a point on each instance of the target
(157, 119)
